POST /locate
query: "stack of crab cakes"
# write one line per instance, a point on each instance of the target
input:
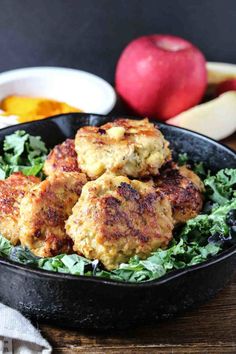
(110, 194)
(118, 216)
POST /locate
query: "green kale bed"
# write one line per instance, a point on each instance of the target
(199, 239)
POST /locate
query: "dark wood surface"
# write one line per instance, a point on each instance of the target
(209, 329)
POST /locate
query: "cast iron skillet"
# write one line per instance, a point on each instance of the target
(87, 302)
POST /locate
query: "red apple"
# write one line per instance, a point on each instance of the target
(227, 85)
(161, 75)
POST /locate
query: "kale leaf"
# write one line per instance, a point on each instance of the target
(22, 152)
(221, 187)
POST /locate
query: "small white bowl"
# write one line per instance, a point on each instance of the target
(78, 88)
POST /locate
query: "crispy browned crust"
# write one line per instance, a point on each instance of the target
(116, 218)
(134, 148)
(62, 158)
(45, 209)
(12, 190)
(184, 190)
(128, 214)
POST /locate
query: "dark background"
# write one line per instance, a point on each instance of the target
(90, 34)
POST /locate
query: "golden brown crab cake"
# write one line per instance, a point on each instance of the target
(192, 176)
(116, 218)
(12, 190)
(184, 190)
(135, 148)
(62, 158)
(44, 210)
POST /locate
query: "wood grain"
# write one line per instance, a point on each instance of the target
(210, 329)
(230, 141)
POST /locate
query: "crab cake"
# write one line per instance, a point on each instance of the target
(62, 158)
(184, 189)
(116, 218)
(44, 210)
(12, 190)
(135, 148)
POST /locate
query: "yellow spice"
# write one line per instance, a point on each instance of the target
(34, 108)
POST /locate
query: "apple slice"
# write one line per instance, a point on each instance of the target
(216, 118)
(218, 72)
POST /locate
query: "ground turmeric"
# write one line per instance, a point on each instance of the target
(34, 108)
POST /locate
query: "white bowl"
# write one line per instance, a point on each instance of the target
(78, 88)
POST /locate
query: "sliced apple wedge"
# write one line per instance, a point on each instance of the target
(218, 72)
(216, 118)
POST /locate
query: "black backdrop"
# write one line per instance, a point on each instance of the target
(90, 34)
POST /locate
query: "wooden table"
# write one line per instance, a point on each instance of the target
(209, 329)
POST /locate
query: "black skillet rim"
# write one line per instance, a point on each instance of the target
(162, 280)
